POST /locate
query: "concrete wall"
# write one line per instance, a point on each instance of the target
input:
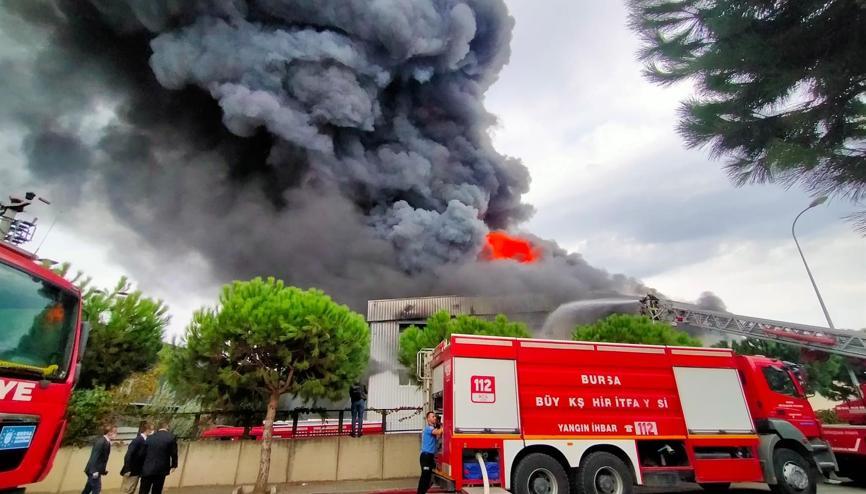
(227, 463)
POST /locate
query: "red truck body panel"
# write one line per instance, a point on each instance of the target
(575, 396)
(846, 439)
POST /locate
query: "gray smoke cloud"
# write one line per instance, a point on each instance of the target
(340, 144)
(711, 301)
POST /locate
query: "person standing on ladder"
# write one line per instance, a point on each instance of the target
(358, 395)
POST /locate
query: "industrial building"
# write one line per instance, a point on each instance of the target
(390, 385)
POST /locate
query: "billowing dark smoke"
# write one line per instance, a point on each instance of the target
(340, 144)
(711, 301)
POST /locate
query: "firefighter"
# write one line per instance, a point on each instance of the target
(429, 445)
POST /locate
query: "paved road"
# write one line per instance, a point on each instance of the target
(845, 488)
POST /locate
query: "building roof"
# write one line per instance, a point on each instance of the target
(420, 308)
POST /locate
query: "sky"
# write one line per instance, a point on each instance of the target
(611, 179)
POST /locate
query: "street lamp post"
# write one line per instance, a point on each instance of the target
(817, 202)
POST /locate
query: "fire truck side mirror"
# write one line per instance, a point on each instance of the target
(85, 334)
(77, 374)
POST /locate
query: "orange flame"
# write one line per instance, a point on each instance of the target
(54, 315)
(501, 245)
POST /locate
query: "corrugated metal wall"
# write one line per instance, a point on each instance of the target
(384, 388)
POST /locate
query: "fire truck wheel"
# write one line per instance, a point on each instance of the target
(539, 473)
(604, 473)
(794, 474)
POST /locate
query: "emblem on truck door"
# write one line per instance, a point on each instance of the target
(483, 389)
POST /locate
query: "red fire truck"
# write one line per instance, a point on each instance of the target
(40, 357)
(848, 440)
(553, 417)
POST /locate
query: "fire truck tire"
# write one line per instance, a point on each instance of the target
(539, 473)
(604, 473)
(794, 473)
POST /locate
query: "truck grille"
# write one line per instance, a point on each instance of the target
(10, 459)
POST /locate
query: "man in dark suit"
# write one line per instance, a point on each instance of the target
(159, 460)
(134, 459)
(97, 465)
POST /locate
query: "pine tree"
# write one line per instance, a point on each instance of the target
(781, 85)
(441, 325)
(630, 328)
(126, 329)
(272, 339)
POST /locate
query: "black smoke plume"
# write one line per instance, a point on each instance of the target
(340, 144)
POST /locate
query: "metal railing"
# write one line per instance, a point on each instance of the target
(288, 424)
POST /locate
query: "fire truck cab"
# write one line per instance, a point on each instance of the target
(41, 353)
(556, 417)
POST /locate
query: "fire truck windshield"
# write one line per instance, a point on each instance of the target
(37, 325)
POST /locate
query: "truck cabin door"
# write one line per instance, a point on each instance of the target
(784, 399)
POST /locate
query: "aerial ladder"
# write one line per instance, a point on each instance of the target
(844, 342)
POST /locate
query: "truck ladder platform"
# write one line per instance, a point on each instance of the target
(843, 342)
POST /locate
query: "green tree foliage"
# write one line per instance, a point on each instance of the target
(828, 376)
(128, 340)
(828, 417)
(126, 330)
(124, 344)
(441, 325)
(781, 85)
(273, 339)
(628, 328)
(88, 410)
(141, 396)
(149, 396)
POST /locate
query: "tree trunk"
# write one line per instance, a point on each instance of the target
(267, 437)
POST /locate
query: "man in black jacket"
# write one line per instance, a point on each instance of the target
(97, 465)
(159, 460)
(134, 459)
(358, 396)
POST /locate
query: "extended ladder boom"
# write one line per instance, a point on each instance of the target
(836, 341)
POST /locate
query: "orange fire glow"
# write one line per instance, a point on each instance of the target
(501, 245)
